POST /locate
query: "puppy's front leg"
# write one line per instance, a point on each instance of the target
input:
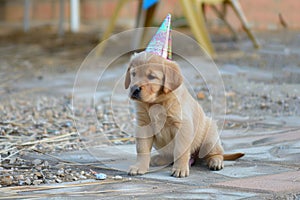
(149, 123)
(181, 155)
(181, 166)
(143, 148)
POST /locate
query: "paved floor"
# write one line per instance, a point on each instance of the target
(270, 169)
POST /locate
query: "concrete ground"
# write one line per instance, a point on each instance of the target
(267, 132)
(269, 170)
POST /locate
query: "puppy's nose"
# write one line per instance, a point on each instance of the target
(135, 91)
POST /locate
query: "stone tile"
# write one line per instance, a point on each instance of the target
(243, 168)
(240, 133)
(283, 182)
(286, 153)
(118, 157)
(257, 153)
(210, 193)
(92, 189)
(233, 140)
(236, 139)
(279, 138)
(199, 176)
(288, 121)
(234, 144)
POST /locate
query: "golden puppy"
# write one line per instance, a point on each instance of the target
(169, 118)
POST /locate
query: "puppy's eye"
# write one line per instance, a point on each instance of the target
(133, 74)
(151, 77)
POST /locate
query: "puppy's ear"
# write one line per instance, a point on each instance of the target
(127, 78)
(173, 78)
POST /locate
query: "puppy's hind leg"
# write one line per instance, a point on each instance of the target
(211, 149)
(215, 162)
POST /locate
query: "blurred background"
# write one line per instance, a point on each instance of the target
(94, 14)
(42, 38)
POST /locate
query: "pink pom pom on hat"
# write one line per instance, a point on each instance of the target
(161, 42)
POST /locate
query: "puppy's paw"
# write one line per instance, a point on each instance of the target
(215, 163)
(160, 160)
(180, 172)
(137, 170)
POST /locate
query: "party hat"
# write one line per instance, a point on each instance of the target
(161, 43)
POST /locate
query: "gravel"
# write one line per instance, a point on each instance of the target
(47, 126)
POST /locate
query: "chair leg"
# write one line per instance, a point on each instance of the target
(138, 19)
(113, 20)
(61, 30)
(26, 17)
(197, 24)
(111, 24)
(148, 23)
(139, 22)
(144, 19)
(222, 15)
(238, 10)
(149, 15)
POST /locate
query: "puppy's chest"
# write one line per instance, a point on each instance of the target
(169, 130)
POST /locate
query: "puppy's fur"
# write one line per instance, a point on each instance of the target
(185, 130)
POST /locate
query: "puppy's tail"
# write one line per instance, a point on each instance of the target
(233, 156)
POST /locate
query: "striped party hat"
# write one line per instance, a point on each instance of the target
(161, 43)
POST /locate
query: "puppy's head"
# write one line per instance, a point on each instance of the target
(149, 76)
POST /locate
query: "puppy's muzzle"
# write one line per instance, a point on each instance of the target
(135, 92)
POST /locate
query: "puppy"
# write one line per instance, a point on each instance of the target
(169, 119)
